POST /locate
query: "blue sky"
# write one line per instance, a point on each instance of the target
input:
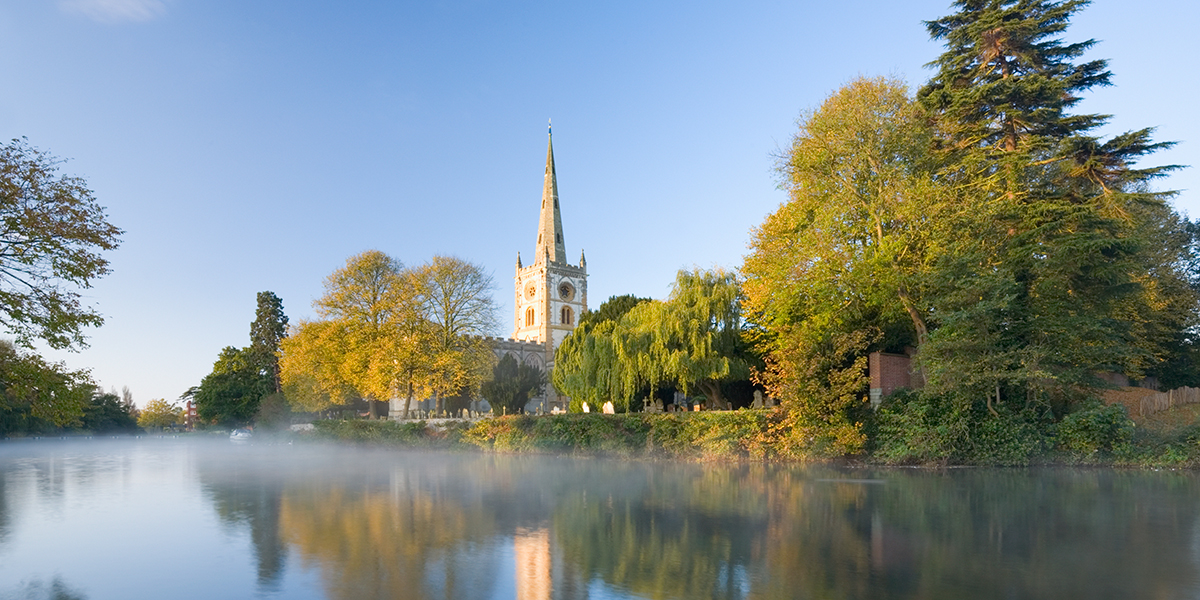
(249, 146)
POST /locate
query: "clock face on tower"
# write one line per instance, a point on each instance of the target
(565, 291)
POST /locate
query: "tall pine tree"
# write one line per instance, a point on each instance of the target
(1047, 284)
(266, 332)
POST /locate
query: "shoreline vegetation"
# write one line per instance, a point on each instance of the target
(1108, 438)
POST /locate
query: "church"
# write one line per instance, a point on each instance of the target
(549, 297)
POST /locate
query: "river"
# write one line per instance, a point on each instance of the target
(187, 518)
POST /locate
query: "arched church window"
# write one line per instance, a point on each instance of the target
(529, 317)
(567, 315)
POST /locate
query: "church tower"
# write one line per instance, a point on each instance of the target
(550, 293)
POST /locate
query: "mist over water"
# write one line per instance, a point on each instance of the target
(188, 518)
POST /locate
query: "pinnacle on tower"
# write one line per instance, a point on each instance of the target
(550, 235)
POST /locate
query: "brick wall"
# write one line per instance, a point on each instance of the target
(890, 372)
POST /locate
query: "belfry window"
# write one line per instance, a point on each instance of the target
(567, 315)
(529, 317)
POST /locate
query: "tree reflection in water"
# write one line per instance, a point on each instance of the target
(249, 493)
(441, 526)
(375, 544)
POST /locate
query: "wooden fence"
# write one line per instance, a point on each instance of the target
(1155, 403)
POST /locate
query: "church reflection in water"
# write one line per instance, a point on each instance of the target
(532, 552)
(540, 528)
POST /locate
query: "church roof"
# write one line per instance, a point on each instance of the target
(550, 232)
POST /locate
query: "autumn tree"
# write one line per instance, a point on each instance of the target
(350, 351)
(373, 339)
(456, 300)
(310, 367)
(52, 237)
(842, 267)
(159, 414)
(418, 367)
(854, 240)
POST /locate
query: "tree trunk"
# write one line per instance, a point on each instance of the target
(407, 401)
(918, 323)
(989, 401)
(712, 391)
(372, 412)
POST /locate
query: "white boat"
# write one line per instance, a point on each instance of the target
(241, 435)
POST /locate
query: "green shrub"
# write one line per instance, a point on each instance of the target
(1009, 439)
(915, 427)
(1095, 430)
(918, 428)
(719, 435)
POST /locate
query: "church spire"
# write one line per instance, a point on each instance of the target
(550, 236)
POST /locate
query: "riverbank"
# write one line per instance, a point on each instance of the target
(705, 436)
(745, 435)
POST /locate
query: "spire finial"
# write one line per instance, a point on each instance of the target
(549, 127)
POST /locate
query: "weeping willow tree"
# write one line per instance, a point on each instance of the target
(692, 341)
(588, 368)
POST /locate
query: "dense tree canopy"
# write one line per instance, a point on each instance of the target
(694, 341)
(158, 414)
(109, 413)
(841, 268)
(52, 236)
(230, 394)
(36, 395)
(456, 299)
(1061, 224)
(351, 352)
(611, 310)
(386, 330)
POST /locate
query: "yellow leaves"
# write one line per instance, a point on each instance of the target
(385, 328)
(160, 413)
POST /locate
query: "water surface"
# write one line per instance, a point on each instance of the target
(174, 518)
